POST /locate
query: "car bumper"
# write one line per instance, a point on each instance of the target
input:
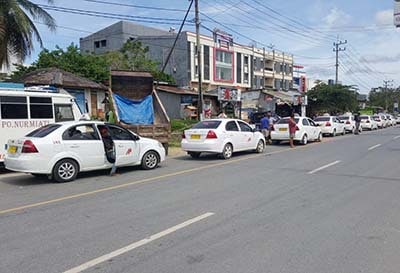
(209, 146)
(284, 136)
(326, 130)
(348, 127)
(24, 164)
(366, 126)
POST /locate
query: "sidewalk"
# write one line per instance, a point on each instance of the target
(175, 151)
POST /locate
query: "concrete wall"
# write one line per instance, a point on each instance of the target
(159, 48)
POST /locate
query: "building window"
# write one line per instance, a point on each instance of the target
(246, 60)
(246, 77)
(103, 43)
(97, 44)
(206, 68)
(238, 68)
(223, 66)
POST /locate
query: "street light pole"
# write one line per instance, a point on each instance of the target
(199, 66)
(386, 84)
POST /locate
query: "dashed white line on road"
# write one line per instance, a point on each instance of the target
(324, 167)
(396, 137)
(374, 147)
(137, 244)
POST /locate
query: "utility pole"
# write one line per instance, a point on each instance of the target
(199, 66)
(263, 87)
(337, 49)
(388, 83)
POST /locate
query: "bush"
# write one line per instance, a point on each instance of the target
(179, 125)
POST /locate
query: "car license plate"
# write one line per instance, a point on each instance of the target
(12, 149)
(195, 136)
(282, 129)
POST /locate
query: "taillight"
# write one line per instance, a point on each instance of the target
(29, 147)
(211, 135)
(297, 128)
(183, 135)
(347, 122)
(328, 124)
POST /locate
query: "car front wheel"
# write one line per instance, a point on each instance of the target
(260, 147)
(150, 160)
(304, 140)
(65, 170)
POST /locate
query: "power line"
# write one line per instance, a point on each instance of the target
(134, 6)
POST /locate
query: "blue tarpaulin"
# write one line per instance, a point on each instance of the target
(135, 112)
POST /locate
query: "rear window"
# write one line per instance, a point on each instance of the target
(208, 124)
(44, 131)
(364, 117)
(343, 118)
(286, 121)
(322, 119)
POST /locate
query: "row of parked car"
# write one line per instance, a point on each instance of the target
(225, 136)
(62, 150)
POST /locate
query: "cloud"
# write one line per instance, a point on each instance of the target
(337, 18)
(381, 58)
(384, 17)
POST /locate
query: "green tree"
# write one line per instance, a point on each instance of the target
(384, 98)
(132, 56)
(89, 66)
(332, 99)
(17, 30)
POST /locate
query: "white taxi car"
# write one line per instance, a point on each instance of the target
(62, 150)
(306, 130)
(330, 125)
(221, 136)
(367, 122)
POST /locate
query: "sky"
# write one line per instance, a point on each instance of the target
(305, 28)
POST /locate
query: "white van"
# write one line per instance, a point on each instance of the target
(23, 110)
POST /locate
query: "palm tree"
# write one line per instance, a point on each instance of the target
(17, 29)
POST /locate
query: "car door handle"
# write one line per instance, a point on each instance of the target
(74, 146)
(121, 146)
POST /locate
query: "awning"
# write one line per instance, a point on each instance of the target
(283, 96)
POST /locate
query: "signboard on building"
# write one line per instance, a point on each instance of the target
(228, 94)
(303, 84)
(396, 15)
(222, 39)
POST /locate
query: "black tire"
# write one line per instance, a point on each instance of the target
(276, 142)
(150, 160)
(227, 151)
(304, 140)
(65, 170)
(260, 147)
(194, 154)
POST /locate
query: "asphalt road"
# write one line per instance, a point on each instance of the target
(329, 207)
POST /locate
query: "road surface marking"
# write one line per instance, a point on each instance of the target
(396, 137)
(137, 244)
(151, 179)
(324, 167)
(374, 147)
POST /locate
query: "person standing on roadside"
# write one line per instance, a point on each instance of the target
(292, 129)
(357, 119)
(265, 127)
(109, 148)
(271, 125)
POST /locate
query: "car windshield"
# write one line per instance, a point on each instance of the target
(44, 131)
(207, 124)
(322, 119)
(343, 118)
(286, 121)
